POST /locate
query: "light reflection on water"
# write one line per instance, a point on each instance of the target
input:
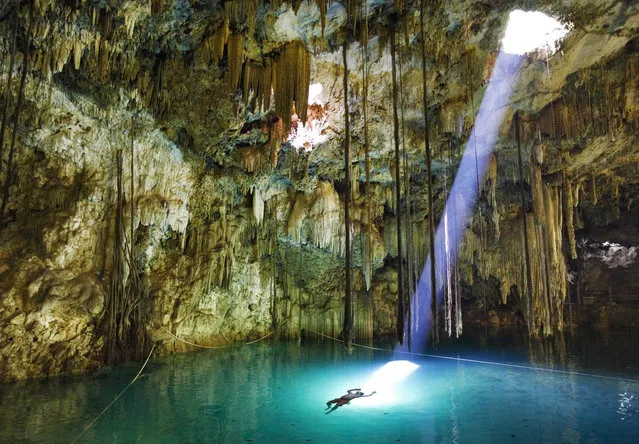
(278, 393)
(625, 409)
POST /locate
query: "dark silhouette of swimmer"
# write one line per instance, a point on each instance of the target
(346, 399)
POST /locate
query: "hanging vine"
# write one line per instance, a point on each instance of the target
(347, 333)
(10, 173)
(456, 278)
(367, 250)
(448, 291)
(7, 90)
(125, 310)
(431, 212)
(400, 266)
(407, 197)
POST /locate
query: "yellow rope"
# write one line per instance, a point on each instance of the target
(117, 397)
(479, 361)
(217, 346)
(450, 358)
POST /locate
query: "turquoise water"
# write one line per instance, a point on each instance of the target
(278, 392)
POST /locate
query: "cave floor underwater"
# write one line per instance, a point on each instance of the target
(573, 390)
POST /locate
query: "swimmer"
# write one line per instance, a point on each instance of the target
(346, 399)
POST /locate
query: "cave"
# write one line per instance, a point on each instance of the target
(320, 221)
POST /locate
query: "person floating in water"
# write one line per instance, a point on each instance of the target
(346, 399)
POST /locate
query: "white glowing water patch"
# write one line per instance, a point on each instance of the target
(387, 383)
(529, 31)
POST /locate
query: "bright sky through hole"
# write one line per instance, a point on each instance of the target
(309, 134)
(532, 30)
(314, 91)
(525, 32)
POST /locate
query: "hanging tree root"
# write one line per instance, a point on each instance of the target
(10, 174)
(431, 213)
(400, 268)
(348, 299)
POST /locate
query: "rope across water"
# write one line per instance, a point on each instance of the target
(479, 361)
(147, 360)
(428, 355)
(213, 347)
(117, 397)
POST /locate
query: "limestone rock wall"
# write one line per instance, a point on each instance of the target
(235, 232)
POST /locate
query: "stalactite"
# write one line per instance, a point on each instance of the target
(77, 54)
(568, 207)
(548, 232)
(431, 211)
(276, 134)
(258, 206)
(103, 60)
(323, 5)
(348, 299)
(235, 50)
(217, 42)
(524, 211)
(291, 79)
(547, 259)
(258, 80)
(241, 13)
(492, 195)
(400, 259)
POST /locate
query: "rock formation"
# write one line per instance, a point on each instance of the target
(150, 188)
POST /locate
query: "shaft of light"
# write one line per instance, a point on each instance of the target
(463, 195)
